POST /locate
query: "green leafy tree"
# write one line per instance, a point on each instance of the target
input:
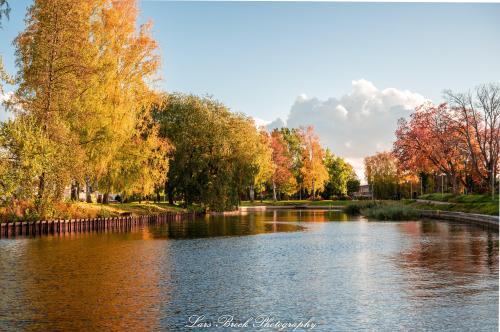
(342, 179)
(217, 155)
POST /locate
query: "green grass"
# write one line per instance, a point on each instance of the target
(480, 208)
(383, 210)
(80, 210)
(452, 198)
(390, 212)
(116, 209)
(482, 204)
(355, 207)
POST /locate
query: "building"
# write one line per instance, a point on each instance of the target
(364, 192)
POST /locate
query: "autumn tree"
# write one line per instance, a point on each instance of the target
(120, 100)
(263, 166)
(4, 76)
(25, 151)
(313, 170)
(431, 142)
(140, 167)
(53, 57)
(85, 87)
(477, 118)
(293, 139)
(283, 179)
(381, 173)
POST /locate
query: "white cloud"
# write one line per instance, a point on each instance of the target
(6, 96)
(260, 122)
(356, 124)
(278, 123)
(302, 97)
(341, 110)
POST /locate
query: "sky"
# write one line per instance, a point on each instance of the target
(349, 69)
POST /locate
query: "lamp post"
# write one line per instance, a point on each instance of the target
(373, 189)
(421, 185)
(442, 186)
(492, 183)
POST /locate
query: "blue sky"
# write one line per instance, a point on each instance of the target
(264, 58)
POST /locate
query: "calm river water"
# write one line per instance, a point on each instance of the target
(342, 273)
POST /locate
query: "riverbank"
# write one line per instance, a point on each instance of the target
(479, 204)
(385, 210)
(83, 210)
(68, 226)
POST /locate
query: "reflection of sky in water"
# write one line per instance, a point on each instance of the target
(347, 275)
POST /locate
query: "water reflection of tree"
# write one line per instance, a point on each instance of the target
(88, 282)
(447, 259)
(311, 215)
(245, 224)
(232, 225)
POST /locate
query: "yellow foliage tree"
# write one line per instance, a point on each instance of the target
(313, 170)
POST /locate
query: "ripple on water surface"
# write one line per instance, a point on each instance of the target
(345, 273)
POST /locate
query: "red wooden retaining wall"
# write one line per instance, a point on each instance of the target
(60, 226)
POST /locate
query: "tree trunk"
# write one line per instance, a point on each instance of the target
(41, 185)
(74, 191)
(88, 197)
(168, 193)
(274, 191)
(41, 189)
(252, 193)
(105, 198)
(492, 183)
(313, 189)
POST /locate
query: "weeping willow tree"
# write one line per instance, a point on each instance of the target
(216, 154)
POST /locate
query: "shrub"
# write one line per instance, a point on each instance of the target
(104, 214)
(390, 212)
(356, 207)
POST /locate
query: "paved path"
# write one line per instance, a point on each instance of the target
(433, 202)
(480, 219)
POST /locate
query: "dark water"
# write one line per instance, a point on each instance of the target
(291, 266)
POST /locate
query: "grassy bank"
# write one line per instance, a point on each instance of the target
(382, 210)
(391, 212)
(481, 204)
(408, 209)
(80, 210)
